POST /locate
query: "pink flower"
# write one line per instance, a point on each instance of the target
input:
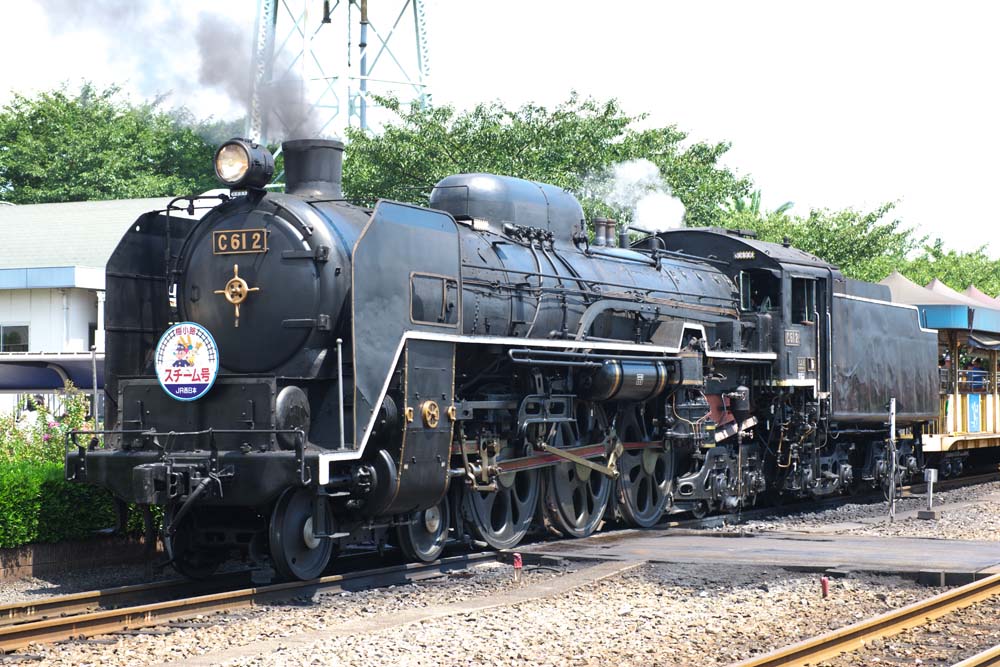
(46, 437)
(53, 424)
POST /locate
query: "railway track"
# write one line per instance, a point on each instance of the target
(852, 637)
(988, 657)
(114, 610)
(129, 607)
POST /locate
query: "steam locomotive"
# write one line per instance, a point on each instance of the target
(293, 374)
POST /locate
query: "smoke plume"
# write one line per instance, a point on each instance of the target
(640, 193)
(168, 50)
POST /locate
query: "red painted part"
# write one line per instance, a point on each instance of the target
(824, 583)
(518, 563)
(587, 452)
(642, 445)
(539, 460)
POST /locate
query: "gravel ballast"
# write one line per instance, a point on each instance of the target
(653, 615)
(78, 581)
(968, 513)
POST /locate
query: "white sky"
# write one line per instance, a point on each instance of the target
(827, 104)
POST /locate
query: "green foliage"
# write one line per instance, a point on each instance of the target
(38, 505)
(63, 146)
(956, 269)
(578, 139)
(865, 245)
(44, 438)
(20, 501)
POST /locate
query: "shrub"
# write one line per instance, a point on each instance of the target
(38, 505)
(45, 439)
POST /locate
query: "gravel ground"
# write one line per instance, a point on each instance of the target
(77, 581)
(654, 615)
(974, 522)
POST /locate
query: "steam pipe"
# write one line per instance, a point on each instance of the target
(340, 389)
(623, 237)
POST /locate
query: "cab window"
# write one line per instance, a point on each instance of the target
(803, 300)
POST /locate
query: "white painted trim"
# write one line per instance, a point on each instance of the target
(887, 303)
(793, 383)
(325, 459)
(722, 354)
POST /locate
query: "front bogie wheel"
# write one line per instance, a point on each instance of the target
(188, 556)
(424, 537)
(296, 550)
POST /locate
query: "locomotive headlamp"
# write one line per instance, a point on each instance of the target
(243, 164)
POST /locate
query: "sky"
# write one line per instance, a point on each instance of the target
(826, 104)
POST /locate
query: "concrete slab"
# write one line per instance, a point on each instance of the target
(796, 550)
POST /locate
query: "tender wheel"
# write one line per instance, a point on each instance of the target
(296, 552)
(424, 537)
(576, 497)
(502, 518)
(645, 477)
(186, 556)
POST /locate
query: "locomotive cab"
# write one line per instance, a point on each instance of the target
(784, 299)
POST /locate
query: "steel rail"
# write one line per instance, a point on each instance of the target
(19, 636)
(119, 596)
(858, 634)
(990, 656)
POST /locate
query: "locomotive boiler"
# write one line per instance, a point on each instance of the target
(292, 374)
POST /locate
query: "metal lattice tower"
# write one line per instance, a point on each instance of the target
(316, 64)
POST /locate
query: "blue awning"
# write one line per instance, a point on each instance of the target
(28, 372)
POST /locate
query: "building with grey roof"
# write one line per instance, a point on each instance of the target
(52, 262)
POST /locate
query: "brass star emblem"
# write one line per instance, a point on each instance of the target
(236, 291)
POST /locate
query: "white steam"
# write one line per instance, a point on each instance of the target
(640, 193)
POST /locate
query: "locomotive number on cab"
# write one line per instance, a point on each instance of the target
(239, 241)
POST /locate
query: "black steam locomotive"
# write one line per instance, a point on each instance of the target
(293, 374)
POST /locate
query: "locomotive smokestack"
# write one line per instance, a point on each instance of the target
(623, 236)
(313, 167)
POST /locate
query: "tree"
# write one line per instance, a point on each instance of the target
(864, 245)
(61, 146)
(578, 139)
(956, 269)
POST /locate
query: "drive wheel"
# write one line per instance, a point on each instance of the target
(576, 497)
(423, 539)
(186, 556)
(503, 517)
(295, 550)
(645, 477)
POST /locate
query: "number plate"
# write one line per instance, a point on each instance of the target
(239, 241)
